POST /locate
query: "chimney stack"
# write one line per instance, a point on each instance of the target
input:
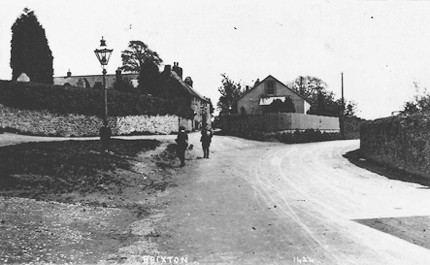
(167, 68)
(118, 74)
(177, 69)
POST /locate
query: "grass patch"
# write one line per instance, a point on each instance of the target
(37, 169)
(357, 158)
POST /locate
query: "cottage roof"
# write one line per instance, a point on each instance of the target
(270, 76)
(186, 87)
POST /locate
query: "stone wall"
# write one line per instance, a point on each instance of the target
(50, 124)
(401, 142)
(151, 124)
(269, 122)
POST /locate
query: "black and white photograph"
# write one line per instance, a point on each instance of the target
(232, 132)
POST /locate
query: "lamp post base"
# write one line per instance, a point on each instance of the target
(105, 138)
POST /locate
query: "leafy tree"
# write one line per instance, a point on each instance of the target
(320, 106)
(308, 86)
(150, 79)
(410, 107)
(420, 102)
(30, 52)
(138, 58)
(322, 101)
(230, 94)
(350, 109)
(136, 55)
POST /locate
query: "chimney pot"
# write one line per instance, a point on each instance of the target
(177, 69)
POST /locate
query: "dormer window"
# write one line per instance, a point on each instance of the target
(270, 87)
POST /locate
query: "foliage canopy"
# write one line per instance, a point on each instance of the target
(322, 101)
(136, 55)
(230, 94)
(419, 103)
(138, 58)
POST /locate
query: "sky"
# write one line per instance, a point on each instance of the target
(382, 47)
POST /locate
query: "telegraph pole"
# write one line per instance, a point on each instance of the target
(342, 115)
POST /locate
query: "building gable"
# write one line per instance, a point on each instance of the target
(270, 87)
(271, 84)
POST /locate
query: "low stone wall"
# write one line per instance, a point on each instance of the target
(401, 142)
(50, 124)
(151, 124)
(270, 122)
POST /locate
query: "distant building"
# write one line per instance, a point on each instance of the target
(199, 104)
(89, 81)
(180, 87)
(265, 92)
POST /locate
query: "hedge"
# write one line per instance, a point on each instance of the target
(290, 137)
(401, 141)
(87, 101)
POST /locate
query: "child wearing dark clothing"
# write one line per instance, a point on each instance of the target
(206, 140)
(182, 143)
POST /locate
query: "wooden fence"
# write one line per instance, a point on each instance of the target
(279, 122)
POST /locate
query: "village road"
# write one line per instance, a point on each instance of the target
(270, 203)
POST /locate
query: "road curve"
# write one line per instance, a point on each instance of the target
(268, 203)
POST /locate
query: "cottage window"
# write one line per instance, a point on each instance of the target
(270, 87)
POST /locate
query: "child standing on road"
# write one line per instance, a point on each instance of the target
(182, 143)
(206, 141)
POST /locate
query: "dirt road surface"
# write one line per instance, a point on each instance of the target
(270, 203)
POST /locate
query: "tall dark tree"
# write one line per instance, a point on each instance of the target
(136, 55)
(30, 52)
(230, 94)
(138, 58)
(150, 79)
(321, 104)
(211, 106)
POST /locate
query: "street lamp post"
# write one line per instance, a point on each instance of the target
(103, 54)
